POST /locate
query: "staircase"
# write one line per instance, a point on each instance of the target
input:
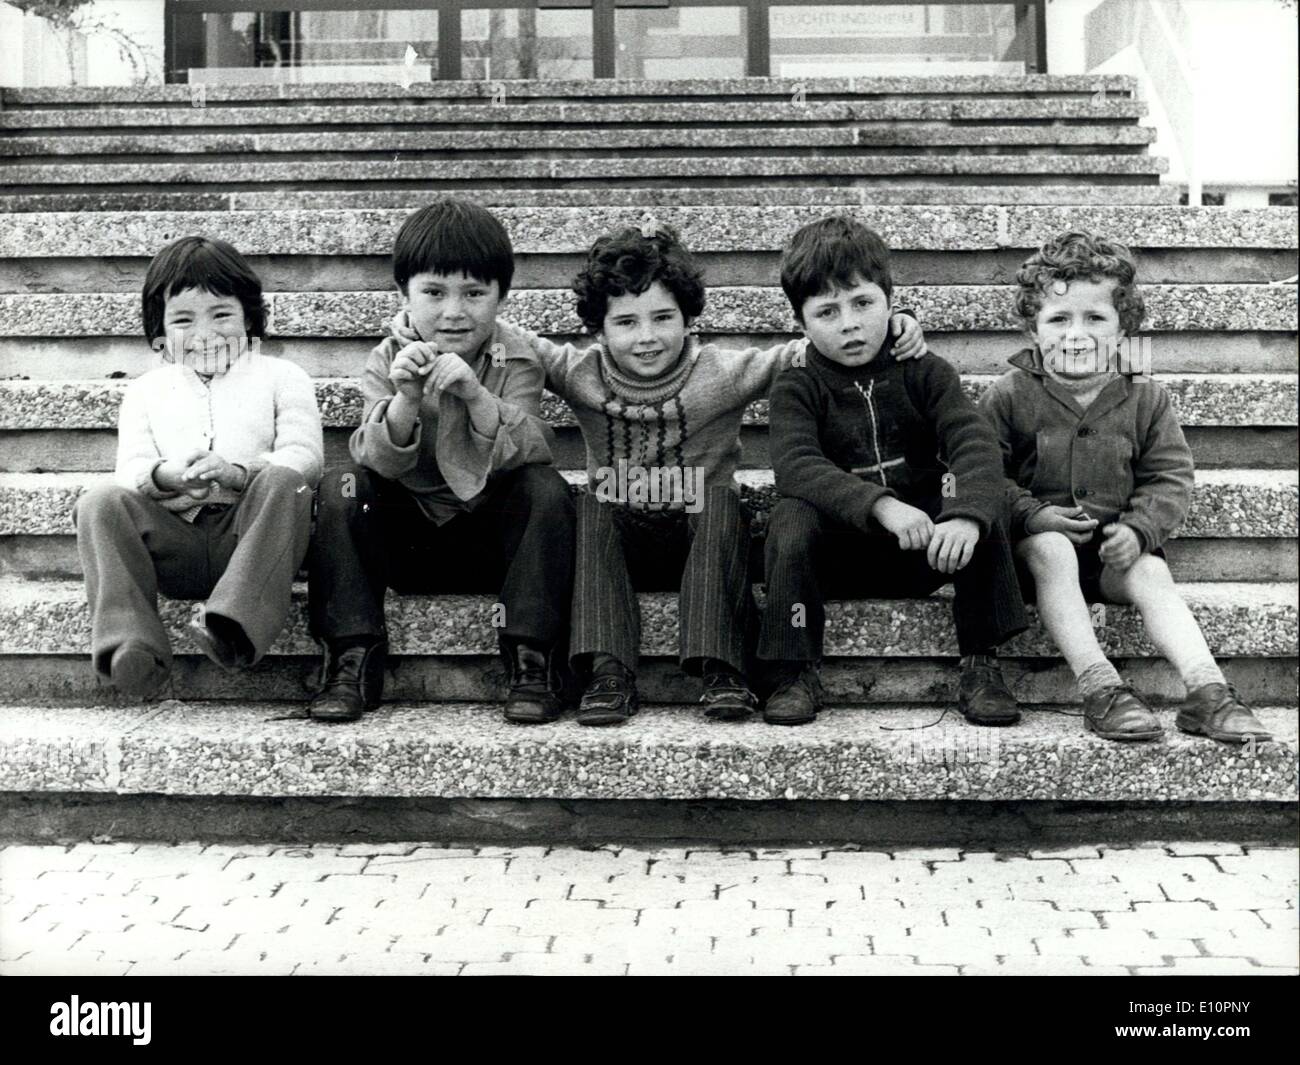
(962, 177)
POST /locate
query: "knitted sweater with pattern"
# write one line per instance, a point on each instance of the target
(689, 419)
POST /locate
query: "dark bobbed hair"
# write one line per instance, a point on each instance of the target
(206, 263)
(1076, 255)
(629, 262)
(454, 236)
(833, 252)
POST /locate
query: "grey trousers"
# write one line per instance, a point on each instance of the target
(242, 559)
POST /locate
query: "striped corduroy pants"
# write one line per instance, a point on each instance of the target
(622, 550)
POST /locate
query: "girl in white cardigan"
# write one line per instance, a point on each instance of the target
(219, 448)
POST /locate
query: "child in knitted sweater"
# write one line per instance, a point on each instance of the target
(218, 451)
(660, 415)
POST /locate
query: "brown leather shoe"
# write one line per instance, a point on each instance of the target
(136, 671)
(983, 696)
(726, 695)
(1119, 713)
(610, 698)
(352, 681)
(1216, 710)
(797, 698)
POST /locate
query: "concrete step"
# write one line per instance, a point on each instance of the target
(724, 230)
(658, 196)
(626, 168)
(1090, 85)
(1225, 503)
(1238, 619)
(1198, 399)
(466, 750)
(585, 113)
(601, 141)
(973, 351)
(730, 309)
(67, 680)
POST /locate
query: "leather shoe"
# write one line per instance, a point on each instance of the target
(533, 698)
(1216, 710)
(136, 671)
(797, 698)
(982, 693)
(1119, 713)
(610, 698)
(352, 680)
(726, 695)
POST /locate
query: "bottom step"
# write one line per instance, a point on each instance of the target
(467, 751)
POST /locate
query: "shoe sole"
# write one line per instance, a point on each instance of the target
(597, 720)
(1124, 737)
(789, 720)
(516, 718)
(1224, 737)
(333, 717)
(992, 722)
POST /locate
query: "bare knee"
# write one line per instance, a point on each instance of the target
(1148, 577)
(1049, 554)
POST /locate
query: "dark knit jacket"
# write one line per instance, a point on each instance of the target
(843, 437)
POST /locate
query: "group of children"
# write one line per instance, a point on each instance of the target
(1061, 486)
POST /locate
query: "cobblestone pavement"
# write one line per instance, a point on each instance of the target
(120, 908)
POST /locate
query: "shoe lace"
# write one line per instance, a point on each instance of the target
(601, 687)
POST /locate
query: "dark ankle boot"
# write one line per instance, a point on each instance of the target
(534, 688)
(352, 679)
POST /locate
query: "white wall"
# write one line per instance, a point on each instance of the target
(1243, 55)
(34, 55)
(140, 19)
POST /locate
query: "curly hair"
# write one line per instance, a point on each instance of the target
(1079, 254)
(628, 263)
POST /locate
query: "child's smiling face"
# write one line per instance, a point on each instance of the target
(847, 325)
(644, 333)
(453, 313)
(204, 330)
(1077, 327)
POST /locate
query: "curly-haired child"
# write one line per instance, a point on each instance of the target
(1101, 477)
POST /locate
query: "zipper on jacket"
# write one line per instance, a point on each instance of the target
(866, 395)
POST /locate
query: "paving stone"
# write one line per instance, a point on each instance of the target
(1264, 947)
(1035, 965)
(1101, 948)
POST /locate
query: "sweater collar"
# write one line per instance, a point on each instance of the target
(635, 390)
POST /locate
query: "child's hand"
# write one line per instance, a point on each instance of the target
(208, 470)
(952, 544)
(450, 373)
(911, 525)
(1120, 546)
(910, 342)
(409, 369)
(1072, 522)
(401, 328)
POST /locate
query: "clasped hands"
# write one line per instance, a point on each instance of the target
(198, 473)
(1120, 547)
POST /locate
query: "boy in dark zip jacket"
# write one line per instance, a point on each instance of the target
(891, 482)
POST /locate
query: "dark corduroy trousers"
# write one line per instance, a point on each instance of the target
(241, 558)
(704, 556)
(518, 543)
(810, 557)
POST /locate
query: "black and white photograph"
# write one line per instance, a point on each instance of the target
(649, 488)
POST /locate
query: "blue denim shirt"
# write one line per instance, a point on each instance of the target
(1123, 459)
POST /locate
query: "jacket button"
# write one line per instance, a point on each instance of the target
(1081, 492)
(1085, 431)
